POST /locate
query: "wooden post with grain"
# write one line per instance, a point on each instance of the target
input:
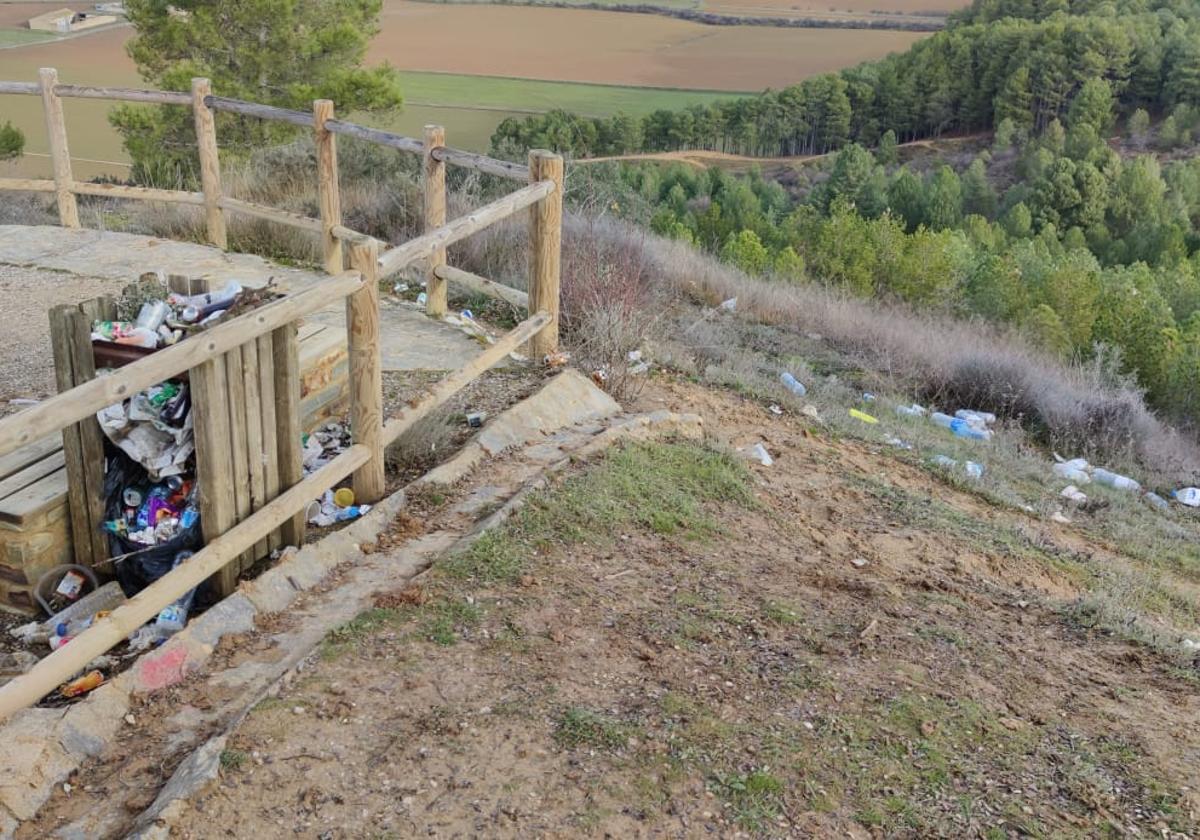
(210, 163)
(366, 371)
(545, 241)
(434, 184)
(60, 153)
(329, 195)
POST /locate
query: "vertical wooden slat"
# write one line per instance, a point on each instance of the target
(286, 356)
(90, 435)
(327, 185)
(366, 372)
(61, 331)
(255, 455)
(545, 242)
(60, 153)
(210, 163)
(214, 462)
(236, 388)
(270, 444)
(434, 189)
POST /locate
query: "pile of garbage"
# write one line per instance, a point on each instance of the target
(319, 448)
(1079, 471)
(164, 322)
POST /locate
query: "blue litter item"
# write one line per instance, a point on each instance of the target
(793, 384)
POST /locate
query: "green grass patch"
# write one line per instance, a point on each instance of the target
(233, 759)
(662, 488)
(580, 727)
(755, 798)
(21, 37)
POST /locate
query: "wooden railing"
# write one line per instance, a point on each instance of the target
(369, 261)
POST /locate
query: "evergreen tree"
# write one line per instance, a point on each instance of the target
(284, 54)
(12, 141)
(887, 153)
(978, 196)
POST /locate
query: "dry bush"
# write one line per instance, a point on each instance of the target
(1078, 409)
(430, 440)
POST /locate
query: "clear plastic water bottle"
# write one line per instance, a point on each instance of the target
(173, 617)
(1115, 480)
(793, 384)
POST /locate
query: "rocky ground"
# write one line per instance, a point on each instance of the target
(669, 645)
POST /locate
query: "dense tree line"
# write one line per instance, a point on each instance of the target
(1083, 249)
(1028, 66)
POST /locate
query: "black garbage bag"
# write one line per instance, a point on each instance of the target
(141, 565)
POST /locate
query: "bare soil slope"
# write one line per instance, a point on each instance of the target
(858, 650)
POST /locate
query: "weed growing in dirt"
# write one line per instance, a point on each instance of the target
(754, 797)
(580, 727)
(660, 487)
(447, 618)
(233, 759)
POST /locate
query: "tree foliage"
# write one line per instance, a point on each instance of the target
(277, 52)
(12, 141)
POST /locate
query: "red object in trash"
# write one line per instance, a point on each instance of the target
(82, 685)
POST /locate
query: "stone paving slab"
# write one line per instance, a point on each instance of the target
(410, 340)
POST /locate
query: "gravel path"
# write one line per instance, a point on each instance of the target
(26, 296)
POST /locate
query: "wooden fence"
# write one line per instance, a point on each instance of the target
(369, 261)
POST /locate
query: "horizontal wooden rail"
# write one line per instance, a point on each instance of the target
(261, 211)
(24, 88)
(374, 135)
(464, 376)
(483, 286)
(69, 407)
(26, 184)
(481, 163)
(142, 193)
(263, 112)
(105, 633)
(415, 249)
(157, 97)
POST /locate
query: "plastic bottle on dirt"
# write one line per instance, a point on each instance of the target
(173, 617)
(793, 384)
(960, 427)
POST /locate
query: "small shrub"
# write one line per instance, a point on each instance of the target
(580, 727)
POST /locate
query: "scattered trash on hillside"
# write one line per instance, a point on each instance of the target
(1115, 480)
(811, 411)
(774, 409)
(976, 418)
(1075, 470)
(868, 396)
(556, 360)
(105, 599)
(1074, 494)
(422, 298)
(913, 410)
(1156, 501)
(759, 453)
(792, 383)
(729, 305)
(971, 468)
(1189, 496)
(1190, 645)
(898, 443)
(863, 417)
(1058, 517)
(973, 429)
(476, 419)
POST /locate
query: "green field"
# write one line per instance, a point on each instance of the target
(508, 94)
(21, 37)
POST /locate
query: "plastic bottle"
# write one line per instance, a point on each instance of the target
(979, 418)
(352, 512)
(1189, 496)
(1074, 470)
(1112, 479)
(173, 617)
(913, 410)
(973, 469)
(943, 420)
(960, 427)
(1157, 501)
(793, 384)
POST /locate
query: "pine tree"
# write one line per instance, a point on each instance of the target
(284, 54)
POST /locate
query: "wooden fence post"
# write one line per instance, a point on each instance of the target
(545, 242)
(327, 185)
(434, 184)
(366, 371)
(210, 164)
(286, 351)
(60, 154)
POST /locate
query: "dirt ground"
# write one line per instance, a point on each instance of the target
(860, 651)
(26, 361)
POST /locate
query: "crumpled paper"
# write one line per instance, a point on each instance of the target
(161, 449)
